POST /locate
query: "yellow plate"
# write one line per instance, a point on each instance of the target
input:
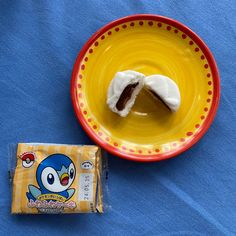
(149, 44)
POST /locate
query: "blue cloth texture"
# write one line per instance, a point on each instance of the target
(192, 194)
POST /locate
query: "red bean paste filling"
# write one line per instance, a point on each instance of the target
(125, 96)
(159, 98)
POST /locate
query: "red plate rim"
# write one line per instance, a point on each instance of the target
(202, 130)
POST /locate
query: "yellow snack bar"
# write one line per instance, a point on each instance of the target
(53, 178)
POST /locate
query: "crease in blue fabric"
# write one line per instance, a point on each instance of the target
(193, 204)
(229, 103)
(17, 88)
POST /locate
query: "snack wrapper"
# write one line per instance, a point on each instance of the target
(53, 178)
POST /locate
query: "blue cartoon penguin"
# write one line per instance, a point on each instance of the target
(55, 174)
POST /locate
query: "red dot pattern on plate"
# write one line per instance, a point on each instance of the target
(189, 133)
(80, 95)
(196, 49)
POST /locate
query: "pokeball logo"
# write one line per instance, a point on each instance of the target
(28, 159)
(87, 165)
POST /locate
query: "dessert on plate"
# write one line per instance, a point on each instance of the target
(123, 90)
(165, 90)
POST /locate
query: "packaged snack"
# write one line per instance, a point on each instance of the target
(52, 178)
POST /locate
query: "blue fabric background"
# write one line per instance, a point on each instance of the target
(193, 194)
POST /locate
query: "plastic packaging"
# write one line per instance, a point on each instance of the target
(54, 178)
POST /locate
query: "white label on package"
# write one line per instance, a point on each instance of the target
(86, 187)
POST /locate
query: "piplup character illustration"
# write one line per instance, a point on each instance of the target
(54, 175)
